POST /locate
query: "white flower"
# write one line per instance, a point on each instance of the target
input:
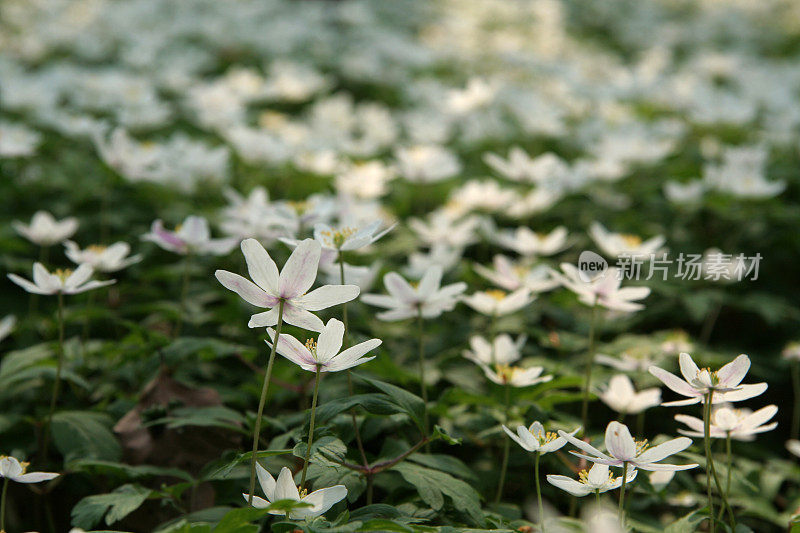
(363, 276)
(60, 281)
(684, 193)
(45, 230)
(254, 216)
(441, 255)
(290, 286)
(17, 140)
(623, 398)
(498, 303)
(742, 173)
(528, 243)
(502, 350)
(404, 300)
(628, 361)
(792, 351)
(660, 478)
(284, 489)
(193, 236)
(442, 227)
(697, 383)
(512, 276)
(427, 163)
(518, 166)
(514, 375)
(349, 238)
(478, 93)
(7, 326)
(367, 180)
(11, 468)
(604, 290)
(622, 244)
(102, 258)
(623, 449)
(536, 439)
(738, 424)
(597, 479)
(324, 352)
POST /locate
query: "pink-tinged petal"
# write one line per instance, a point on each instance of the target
(301, 318)
(300, 270)
(293, 350)
(688, 367)
(327, 296)
(264, 320)
(262, 268)
(27, 285)
(673, 382)
(569, 485)
(744, 392)
(35, 477)
(194, 230)
(323, 499)
(249, 291)
(353, 356)
(330, 340)
(664, 450)
(585, 446)
(400, 288)
(732, 374)
(431, 280)
(619, 442)
(164, 238)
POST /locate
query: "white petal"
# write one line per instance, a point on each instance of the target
(327, 296)
(262, 268)
(330, 340)
(249, 291)
(323, 499)
(300, 270)
(569, 485)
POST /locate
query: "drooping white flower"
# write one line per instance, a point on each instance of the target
(193, 236)
(11, 468)
(620, 396)
(515, 376)
(738, 424)
(102, 258)
(536, 439)
(603, 290)
(290, 286)
(623, 449)
(45, 230)
(60, 281)
(511, 276)
(528, 243)
(499, 303)
(324, 354)
(284, 489)
(597, 480)
(502, 349)
(725, 383)
(405, 300)
(622, 244)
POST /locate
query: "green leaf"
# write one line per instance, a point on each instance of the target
(85, 434)
(385, 525)
(440, 433)
(115, 506)
(410, 404)
(224, 470)
(433, 485)
(687, 524)
(380, 404)
(325, 450)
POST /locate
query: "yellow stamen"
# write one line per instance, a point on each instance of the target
(496, 294)
(311, 345)
(641, 446)
(631, 240)
(337, 238)
(63, 274)
(97, 248)
(299, 207)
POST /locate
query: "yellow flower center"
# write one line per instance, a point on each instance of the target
(63, 274)
(548, 437)
(311, 345)
(303, 492)
(337, 238)
(414, 284)
(97, 248)
(641, 446)
(497, 294)
(299, 207)
(631, 240)
(505, 372)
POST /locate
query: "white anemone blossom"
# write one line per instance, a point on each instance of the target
(45, 230)
(597, 479)
(102, 258)
(60, 281)
(427, 298)
(738, 424)
(191, 237)
(284, 489)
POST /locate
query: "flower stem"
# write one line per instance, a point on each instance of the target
(710, 465)
(506, 447)
(536, 457)
(261, 402)
(622, 492)
(57, 382)
(341, 280)
(728, 464)
(587, 381)
(3, 505)
(311, 427)
(796, 390)
(707, 443)
(422, 373)
(187, 263)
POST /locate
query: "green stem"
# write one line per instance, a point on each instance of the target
(344, 305)
(506, 447)
(728, 464)
(422, 372)
(311, 427)
(587, 380)
(622, 493)
(710, 461)
(3, 506)
(707, 444)
(57, 382)
(796, 390)
(536, 457)
(262, 401)
(184, 293)
(597, 496)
